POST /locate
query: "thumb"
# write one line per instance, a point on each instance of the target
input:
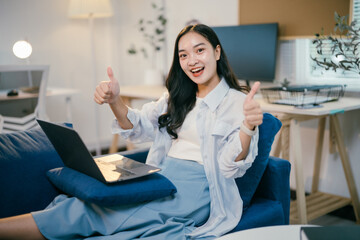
(253, 91)
(111, 75)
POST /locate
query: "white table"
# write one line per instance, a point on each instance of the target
(51, 92)
(283, 232)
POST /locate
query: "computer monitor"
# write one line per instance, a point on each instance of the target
(251, 50)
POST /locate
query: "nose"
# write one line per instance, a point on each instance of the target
(192, 60)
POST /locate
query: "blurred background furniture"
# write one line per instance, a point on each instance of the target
(30, 83)
(19, 111)
(316, 204)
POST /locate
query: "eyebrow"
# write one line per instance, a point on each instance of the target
(199, 44)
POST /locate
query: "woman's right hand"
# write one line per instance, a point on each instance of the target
(107, 91)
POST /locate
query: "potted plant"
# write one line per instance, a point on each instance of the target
(153, 33)
(344, 46)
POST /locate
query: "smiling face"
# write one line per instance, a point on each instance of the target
(198, 59)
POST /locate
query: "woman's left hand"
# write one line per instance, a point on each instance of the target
(251, 109)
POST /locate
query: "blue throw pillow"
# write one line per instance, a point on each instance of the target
(248, 183)
(89, 189)
(25, 157)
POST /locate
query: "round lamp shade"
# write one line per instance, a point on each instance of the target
(22, 49)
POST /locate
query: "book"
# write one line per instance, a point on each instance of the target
(20, 120)
(11, 124)
(330, 233)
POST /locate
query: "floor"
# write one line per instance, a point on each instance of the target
(330, 220)
(342, 216)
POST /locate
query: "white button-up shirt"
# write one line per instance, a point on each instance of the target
(218, 123)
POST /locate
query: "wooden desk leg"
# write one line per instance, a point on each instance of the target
(300, 190)
(285, 139)
(277, 149)
(114, 144)
(347, 167)
(332, 138)
(318, 153)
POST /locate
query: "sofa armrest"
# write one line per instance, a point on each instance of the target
(139, 155)
(25, 157)
(275, 184)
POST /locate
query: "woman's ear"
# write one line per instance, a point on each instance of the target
(217, 52)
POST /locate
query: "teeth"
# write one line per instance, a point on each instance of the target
(196, 69)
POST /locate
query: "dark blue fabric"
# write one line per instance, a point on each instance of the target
(275, 184)
(248, 183)
(261, 213)
(139, 156)
(25, 157)
(89, 189)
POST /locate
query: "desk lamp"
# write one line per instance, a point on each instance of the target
(90, 9)
(23, 49)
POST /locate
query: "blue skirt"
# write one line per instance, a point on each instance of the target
(167, 218)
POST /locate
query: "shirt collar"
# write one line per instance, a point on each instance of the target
(214, 98)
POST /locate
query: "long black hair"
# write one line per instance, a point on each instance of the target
(182, 90)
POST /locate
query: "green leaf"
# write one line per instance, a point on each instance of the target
(158, 31)
(132, 51)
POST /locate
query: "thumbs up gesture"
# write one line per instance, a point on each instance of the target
(107, 91)
(251, 109)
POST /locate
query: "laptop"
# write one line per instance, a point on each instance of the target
(107, 169)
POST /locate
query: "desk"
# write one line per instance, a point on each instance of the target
(51, 92)
(316, 204)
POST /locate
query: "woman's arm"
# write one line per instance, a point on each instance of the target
(109, 92)
(253, 117)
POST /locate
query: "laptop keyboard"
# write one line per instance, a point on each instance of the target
(113, 172)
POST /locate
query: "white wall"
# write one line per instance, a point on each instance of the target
(64, 44)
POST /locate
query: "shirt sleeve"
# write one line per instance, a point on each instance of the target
(231, 150)
(144, 121)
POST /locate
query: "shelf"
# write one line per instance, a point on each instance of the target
(318, 204)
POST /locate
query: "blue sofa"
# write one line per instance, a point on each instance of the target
(25, 158)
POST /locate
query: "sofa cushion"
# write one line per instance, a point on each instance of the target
(248, 183)
(89, 189)
(261, 213)
(25, 157)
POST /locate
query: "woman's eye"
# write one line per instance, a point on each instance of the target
(200, 50)
(182, 55)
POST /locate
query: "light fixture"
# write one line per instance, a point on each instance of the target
(22, 49)
(91, 9)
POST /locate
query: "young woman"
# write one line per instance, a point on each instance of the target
(204, 134)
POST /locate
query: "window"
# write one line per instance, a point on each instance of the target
(318, 75)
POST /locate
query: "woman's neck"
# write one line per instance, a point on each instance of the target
(205, 89)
